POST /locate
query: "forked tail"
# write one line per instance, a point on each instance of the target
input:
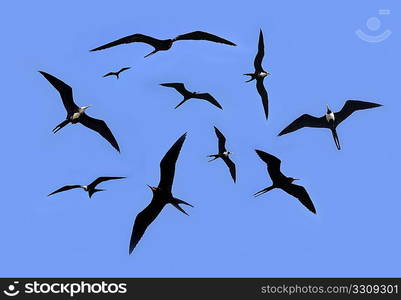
(61, 125)
(179, 104)
(91, 192)
(175, 202)
(151, 53)
(215, 156)
(336, 140)
(253, 76)
(265, 190)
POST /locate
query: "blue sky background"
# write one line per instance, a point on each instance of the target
(315, 59)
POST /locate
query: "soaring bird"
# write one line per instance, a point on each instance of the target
(330, 120)
(161, 45)
(161, 194)
(90, 188)
(260, 74)
(76, 114)
(223, 153)
(283, 182)
(179, 87)
(117, 74)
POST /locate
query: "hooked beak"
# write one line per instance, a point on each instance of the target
(296, 179)
(328, 108)
(151, 187)
(86, 107)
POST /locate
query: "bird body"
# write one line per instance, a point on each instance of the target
(280, 181)
(90, 188)
(163, 45)
(259, 75)
(180, 87)
(162, 194)
(330, 116)
(117, 74)
(224, 154)
(330, 120)
(76, 114)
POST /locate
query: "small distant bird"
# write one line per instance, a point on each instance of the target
(179, 87)
(260, 74)
(76, 114)
(223, 153)
(283, 182)
(330, 120)
(117, 74)
(90, 188)
(162, 45)
(161, 194)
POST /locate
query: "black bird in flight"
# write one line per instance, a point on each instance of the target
(117, 74)
(179, 87)
(161, 194)
(283, 182)
(223, 153)
(161, 45)
(76, 114)
(330, 120)
(90, 188)
(260, 75)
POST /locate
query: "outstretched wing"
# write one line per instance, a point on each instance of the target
(273, 163)
(100, 127)
(209, 98)
(135, 38)
(143, 220)
(65, 92)
(261, 53)
(350, 106)
(305, 121)
(201, 35)
(64, 188)
(124, 69)
(109, 74)
(167, 164)
(231, 166)
(101, 179)
(221, 139)
(178, 86)
(263, 95)
(301, 194)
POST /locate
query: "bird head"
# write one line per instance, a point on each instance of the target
(153, 188)
(85, 107)
(328, 110)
